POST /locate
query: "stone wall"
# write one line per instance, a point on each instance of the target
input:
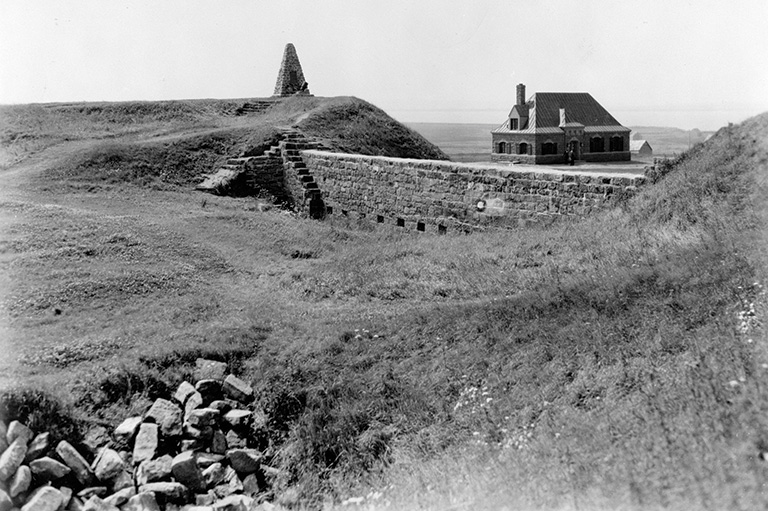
(266, 173)
(430, 195)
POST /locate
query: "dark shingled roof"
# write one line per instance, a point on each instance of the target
(579, 107)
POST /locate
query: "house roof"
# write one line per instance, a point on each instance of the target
(579, 107)
(581, 110)
(636, 145)
(522, 110)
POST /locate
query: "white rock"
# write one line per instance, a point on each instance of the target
(45, 498)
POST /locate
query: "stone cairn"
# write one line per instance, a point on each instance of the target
(186, 453)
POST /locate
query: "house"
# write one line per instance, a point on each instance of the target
(548, 125)
(640, 148)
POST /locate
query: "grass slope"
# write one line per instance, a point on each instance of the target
(173, 143)
(610, 362)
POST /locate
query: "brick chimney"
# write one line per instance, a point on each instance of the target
(520, 94)
(562, 117)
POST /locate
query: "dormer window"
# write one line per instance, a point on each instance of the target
(513, 124)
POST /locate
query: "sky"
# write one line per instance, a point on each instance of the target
(688, 64)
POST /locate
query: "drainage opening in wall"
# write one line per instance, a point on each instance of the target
(441, 229)
(344, 212)
(329, 210)
(379, 219)
(400, 222)
(420, 226)
(317, 209)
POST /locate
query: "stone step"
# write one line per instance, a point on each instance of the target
(237, 161)
(307, 178)
(311, 186)
(311, 193)
(302, 172)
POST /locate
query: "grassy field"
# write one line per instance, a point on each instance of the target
(611, 362)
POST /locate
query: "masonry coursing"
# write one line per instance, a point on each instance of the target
(431, 195)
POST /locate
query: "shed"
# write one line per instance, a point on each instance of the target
(640, 148)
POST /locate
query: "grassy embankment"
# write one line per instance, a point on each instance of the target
(598, 363)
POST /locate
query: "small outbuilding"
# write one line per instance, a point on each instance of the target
(640, 148)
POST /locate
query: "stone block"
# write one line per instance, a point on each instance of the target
(95, 503)
(18, 430)
(38, 446)
(194, 401)
(168, 417)
(238, 418)
(48, 469)
(108, 465)
(186, 471)
(210, 389)
(234, 440)
(127, 429)
(144, 501)
(95, 438)
(6, 504)
(231, 484)
(168, 492)
(21, 481)
(237, 389)
(203, 417)
(45, 498)
(120, 497)
(122, 481)
(210, 369)
(244, 461)
(12, 457)
(219, 442)
(153, 471)
(146, 443)
(214, 475)
(185, 390)
(251, 485)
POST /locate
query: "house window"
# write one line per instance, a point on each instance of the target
(617, 143)
(549, 148)
(596, 145)
(502, 147)
(513, 124)
(522, 148)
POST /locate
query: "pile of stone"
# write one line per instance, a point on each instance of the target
(190, 452)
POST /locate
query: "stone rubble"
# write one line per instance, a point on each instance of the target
(189, 452)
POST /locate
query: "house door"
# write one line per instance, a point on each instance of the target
(573, 145)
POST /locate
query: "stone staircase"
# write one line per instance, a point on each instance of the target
(255, 107)
(227, 178)
(291, 146)
(293, 177)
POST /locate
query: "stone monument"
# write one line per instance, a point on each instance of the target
(290, 79)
